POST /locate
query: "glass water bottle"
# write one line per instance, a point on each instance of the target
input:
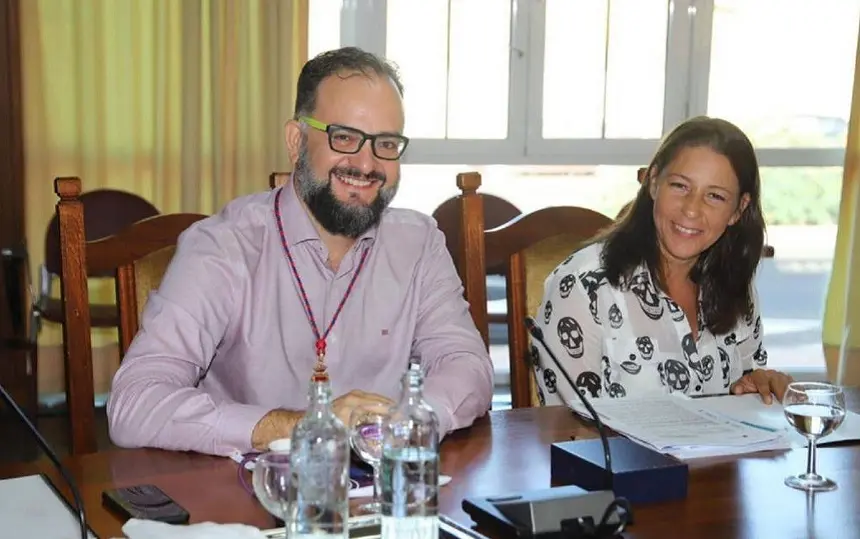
(410, 465)
(318, 505)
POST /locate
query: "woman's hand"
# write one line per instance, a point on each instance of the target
(766, 382)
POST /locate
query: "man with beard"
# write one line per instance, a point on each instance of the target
(319, 272)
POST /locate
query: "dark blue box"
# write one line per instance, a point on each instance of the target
(640, 474)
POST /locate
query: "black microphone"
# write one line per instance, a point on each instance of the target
(79, 505)
(537, 334)
(15, 269)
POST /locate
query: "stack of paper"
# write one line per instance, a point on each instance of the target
(750, 410)
(30, 506)
(705, 427)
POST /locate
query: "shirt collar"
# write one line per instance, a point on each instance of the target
(298, 226)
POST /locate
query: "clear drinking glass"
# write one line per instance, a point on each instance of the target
(366, 426)
(814, 409)
(271, 479)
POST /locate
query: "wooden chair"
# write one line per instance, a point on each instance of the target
(497, 211)
(107, 211)
(137, 257)
(767, 251)
(529, 247)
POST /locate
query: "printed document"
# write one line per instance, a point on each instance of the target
(29, 507)
(705, 427)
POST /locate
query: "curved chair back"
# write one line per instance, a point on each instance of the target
(107, 211)
(528, 247)
(497, 211)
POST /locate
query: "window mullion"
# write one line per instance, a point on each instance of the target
(679, 48)
(362, 24)
(535, 77)
(519, 74)
(702, 20)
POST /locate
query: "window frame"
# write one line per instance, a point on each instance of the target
(687, 74)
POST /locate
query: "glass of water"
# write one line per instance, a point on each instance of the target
(814, 409)
(366, 424)
(271, 479)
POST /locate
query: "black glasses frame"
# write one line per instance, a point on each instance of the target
(329, 129)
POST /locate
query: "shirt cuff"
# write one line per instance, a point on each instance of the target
(446, 419)
(236, 426)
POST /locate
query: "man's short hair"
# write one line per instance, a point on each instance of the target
(346, 62)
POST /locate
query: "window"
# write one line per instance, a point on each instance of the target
(323, 26)
(605, 189)
(801, 207)
(556, 82)
(783, 70)
(559, 100)
(456, 85)
(602, 76)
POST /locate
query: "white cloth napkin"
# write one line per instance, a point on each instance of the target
(150, 529)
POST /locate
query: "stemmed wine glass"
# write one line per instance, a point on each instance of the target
(814, 409)
(366, 427)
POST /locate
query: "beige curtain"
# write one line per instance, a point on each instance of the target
(180, 101)
(842, 312)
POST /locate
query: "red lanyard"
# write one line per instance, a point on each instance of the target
(320, 368)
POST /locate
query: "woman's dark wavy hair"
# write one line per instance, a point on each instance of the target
(724, 271)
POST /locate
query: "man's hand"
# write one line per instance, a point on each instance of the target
(345, 404)
(280, 423)
(765, 382)
(276, 424)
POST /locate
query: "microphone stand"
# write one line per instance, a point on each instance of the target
(620, 507)
(537, 334)
(76, 495)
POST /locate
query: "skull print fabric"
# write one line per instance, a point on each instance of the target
(632, 340)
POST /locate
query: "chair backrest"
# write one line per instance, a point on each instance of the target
(107, 212)
(278, 178)
(529, 247)
(497, 211)
(137, 257)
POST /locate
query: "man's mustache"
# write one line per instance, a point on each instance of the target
(356, 173)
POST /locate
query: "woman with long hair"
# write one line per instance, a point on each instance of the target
(664, 300)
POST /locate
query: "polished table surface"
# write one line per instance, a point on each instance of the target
(508, 451)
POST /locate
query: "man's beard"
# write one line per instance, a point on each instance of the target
(336, 217)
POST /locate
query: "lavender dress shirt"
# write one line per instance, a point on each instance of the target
(225, 338)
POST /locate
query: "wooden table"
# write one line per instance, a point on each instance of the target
(509, 451)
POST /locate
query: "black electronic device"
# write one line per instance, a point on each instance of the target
(564, 511)
(567, 512)
(15, 269)
(146, 502)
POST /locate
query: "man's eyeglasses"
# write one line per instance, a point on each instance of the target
(343, 139)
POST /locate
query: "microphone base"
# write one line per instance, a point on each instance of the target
(640, 474)
(538, 513)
